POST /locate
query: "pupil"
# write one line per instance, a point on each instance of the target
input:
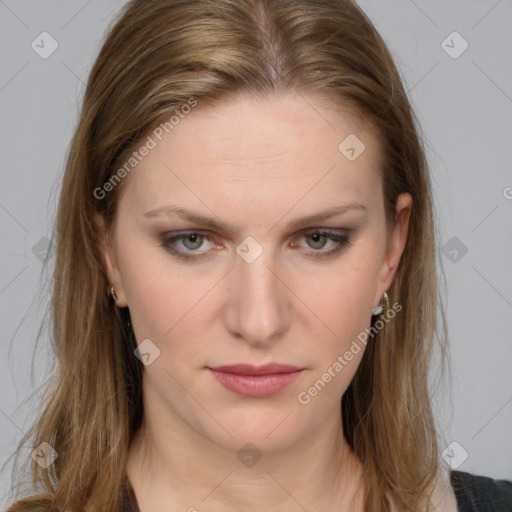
(316, 237)
(192, 239)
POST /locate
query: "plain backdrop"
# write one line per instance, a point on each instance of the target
(455, 57)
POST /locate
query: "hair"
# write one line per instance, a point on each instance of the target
(155, 58)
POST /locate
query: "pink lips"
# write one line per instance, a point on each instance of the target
(256, 381)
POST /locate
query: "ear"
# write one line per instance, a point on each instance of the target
(109, 261)
(396, 244)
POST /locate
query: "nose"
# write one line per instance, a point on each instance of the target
(258, 307)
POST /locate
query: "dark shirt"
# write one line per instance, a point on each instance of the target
(480, 493)
(474, 493)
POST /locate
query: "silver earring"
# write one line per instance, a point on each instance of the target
(113, 294)
(383, 302)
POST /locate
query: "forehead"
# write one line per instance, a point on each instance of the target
(253, 150)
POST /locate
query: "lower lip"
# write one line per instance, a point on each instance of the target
(256, 386)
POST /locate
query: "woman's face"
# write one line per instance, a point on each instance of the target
(283, 254)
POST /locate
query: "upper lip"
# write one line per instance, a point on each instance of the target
(249, 369)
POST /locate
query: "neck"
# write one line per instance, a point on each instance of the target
(171, 466)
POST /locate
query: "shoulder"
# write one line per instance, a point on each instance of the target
(476, 493)
(39, 503)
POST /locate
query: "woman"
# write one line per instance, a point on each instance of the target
(245, 294)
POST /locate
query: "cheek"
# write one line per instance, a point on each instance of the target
(344, 305)
(161, 298)
(344, 297)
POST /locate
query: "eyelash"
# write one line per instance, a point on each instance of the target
(342, 242)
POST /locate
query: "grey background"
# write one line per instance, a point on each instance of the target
(464, 105)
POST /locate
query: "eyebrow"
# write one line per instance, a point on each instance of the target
(211, 222)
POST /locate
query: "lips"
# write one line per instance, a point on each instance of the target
(256, 381)
(248, 369)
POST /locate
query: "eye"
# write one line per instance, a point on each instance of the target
(191, 241)
(186, 245)
(321, 238)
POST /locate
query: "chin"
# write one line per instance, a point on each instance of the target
(268, 430)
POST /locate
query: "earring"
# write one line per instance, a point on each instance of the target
(125, 316)
(113, 294)
(383, 302)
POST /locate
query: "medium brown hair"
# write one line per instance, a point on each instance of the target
(156, 57)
